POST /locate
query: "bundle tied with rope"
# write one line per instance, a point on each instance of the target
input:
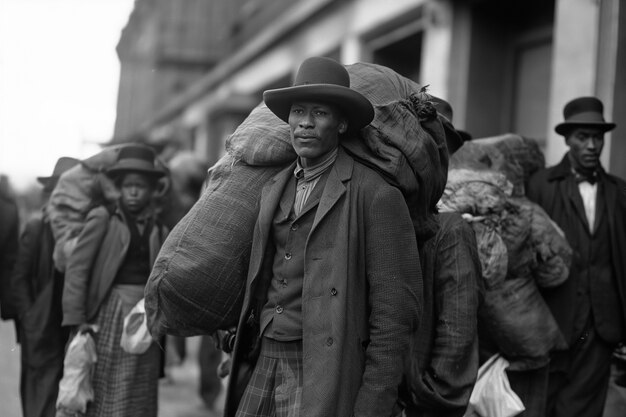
(197, 284)
(520, 248)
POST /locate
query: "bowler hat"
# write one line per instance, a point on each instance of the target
(454, 137)
(63, 164)
(583, 111)
(325, 80)
(135, 158)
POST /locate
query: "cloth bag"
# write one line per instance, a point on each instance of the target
(520, 321)
(492, 395)
(136, 338)
(75, 388)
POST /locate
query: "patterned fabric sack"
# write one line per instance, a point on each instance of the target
(197, 283)
(512, 155)
(519, 320)
(405, 142)
(80, 189)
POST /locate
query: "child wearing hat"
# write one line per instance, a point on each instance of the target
(105, 277)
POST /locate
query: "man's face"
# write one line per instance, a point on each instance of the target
(136, 191)
(585, 144)
(315, 129)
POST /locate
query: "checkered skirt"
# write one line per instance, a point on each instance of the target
(124, 384)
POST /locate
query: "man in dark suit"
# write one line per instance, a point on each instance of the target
(36, 289)
(590, 307)
(334, 284)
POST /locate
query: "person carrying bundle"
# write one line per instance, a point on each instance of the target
(334, 285)
(105, 277)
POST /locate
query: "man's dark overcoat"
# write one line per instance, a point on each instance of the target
(36, 291)
(556, 190)
(361, 297)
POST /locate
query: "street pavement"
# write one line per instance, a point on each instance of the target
(178, 392)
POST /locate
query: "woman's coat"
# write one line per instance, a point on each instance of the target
(98, 255)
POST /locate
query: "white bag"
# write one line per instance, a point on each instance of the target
(492, 395)
(136, 337)
(75, 388)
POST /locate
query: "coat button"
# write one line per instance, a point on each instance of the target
(333, 291)
(329, 341)
(288, 256)
(279, 309)
(294, 226)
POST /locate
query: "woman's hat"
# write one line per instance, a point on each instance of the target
(325, 80)
(136, 158)
(63, 164)
(583, 111)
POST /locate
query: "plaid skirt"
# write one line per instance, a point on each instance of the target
(124, 384)
(275, 388)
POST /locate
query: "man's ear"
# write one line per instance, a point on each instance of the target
(343, 127)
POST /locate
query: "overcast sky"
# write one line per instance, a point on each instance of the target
(59, 75)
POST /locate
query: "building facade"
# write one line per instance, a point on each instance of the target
(504, 66)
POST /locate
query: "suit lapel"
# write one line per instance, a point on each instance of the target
(270, 200)
(573, 194)
(341, 171)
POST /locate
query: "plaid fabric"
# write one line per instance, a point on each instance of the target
(275, 388)
(124, 384)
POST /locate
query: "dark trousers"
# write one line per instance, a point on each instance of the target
(531, 386)
(39, 388)
(579, 384)
(209, 358)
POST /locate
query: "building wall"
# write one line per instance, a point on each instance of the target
(504, 66)
(165, 48)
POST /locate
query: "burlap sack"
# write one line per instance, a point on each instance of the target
(512, 155)
(521, 324)
(405, 142)
(78, 190)
(197, 283)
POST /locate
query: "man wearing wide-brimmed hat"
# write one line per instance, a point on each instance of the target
(334, 284)
(590, 307)
(36, 287)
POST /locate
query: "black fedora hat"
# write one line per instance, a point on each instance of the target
(325, 80)
(583, 111)
(136, 158)
(63, 164)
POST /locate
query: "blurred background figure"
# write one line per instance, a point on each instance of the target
(36, 287)
(9, 232)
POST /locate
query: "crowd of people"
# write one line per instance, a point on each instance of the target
(346, 311)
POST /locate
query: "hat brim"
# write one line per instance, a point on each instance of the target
(355, 107)
(131, 165)
(565, 127)
(48, 182)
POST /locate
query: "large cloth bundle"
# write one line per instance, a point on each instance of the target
(196, 286)
(519, 320)
(405, 142)
(197, 283)
(486, 184)
(512, 155)
(80, 189)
